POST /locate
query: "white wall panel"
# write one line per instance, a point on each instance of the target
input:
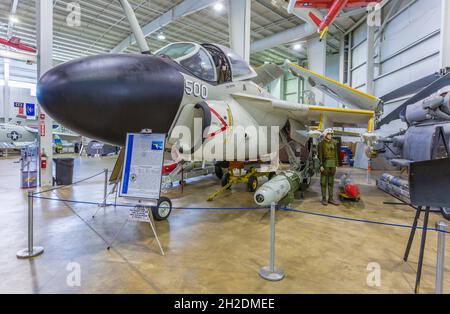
(410, 46)
(390, 82)
(22, 72)
(2, 110)
(16, 95)
(359, 57)
(359, 77)
(332, 71)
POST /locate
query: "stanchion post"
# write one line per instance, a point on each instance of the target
(271, 272)
(441, 226)
(30, 251)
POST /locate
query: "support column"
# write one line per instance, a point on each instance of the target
(239, 17)
(370, 83)
(6, 92)
(44, 9)
(317, 59)
(135, 27)
(445, 33)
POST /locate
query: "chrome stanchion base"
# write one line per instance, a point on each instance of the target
(25, 253)
(276, 275)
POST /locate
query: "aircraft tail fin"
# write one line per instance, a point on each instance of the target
(267, 74)
(315, 19)
(15, 40)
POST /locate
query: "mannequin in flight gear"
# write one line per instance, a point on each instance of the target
(328, 157)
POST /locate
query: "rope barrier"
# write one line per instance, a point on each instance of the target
(251, 209)
(134, 205)
(227, 208)
(66, 186)
(360, 220)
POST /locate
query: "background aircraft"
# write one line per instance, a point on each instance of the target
(14, 136)
(334, 7)
(15, 42)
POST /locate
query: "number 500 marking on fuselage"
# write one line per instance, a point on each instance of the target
(196, 89)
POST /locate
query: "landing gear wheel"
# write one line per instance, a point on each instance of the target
(219, 172)
(225, 179)
(445, 213)
(252, 184)
(163, 209)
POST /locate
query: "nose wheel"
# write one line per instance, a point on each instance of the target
(163, 209)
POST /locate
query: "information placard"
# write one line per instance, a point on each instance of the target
(429, 183)
(139, 214)
(142, 171)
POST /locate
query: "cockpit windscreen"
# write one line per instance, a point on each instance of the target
(210, 62)
(193, 58)
(177, 50)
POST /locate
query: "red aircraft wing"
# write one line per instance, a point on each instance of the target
(16, 43)
(326, 4)
(334, 9)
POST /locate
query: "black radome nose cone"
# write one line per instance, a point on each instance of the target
(104, 97)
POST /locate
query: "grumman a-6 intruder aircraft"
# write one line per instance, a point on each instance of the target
(106, 96)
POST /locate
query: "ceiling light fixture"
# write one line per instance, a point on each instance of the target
(218, 6)
(13, 19)
(161, 36)
(297, 47)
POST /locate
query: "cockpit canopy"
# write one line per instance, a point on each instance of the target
(209, 62)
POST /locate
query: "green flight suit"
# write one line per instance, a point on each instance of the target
(328, 157)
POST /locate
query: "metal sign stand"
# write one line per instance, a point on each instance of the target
(149, 219)
(422, 243)
(141, 212)
(271, 272)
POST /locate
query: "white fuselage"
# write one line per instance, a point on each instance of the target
(235, 128)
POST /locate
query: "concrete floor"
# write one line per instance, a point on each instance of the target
(206, 251)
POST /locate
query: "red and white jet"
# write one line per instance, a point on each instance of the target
(334, 9)
(16, 43)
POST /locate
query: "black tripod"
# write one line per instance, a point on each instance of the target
(422, 243)
(441, 150)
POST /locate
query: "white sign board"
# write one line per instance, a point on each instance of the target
(142, 171)
(139, 214)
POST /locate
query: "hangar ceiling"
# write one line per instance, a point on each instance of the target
(104, 26)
